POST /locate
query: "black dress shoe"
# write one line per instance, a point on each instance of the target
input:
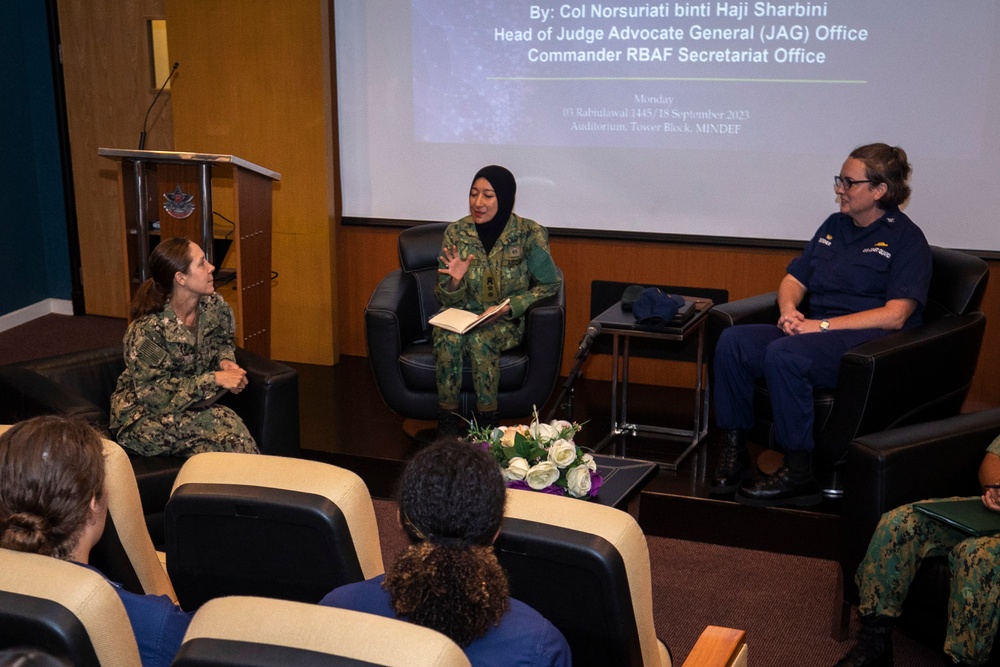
(781, 488)
(734, 464)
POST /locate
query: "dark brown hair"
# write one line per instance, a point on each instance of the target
(50, 469)
(169, 257)
(451, 503)
(886, 164)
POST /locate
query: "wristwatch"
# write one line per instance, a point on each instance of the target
(824, 325)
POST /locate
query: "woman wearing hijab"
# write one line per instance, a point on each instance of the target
(486, 257)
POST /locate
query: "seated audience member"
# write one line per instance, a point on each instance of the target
(902, 539)
(864, 274)
(490, 255)
(52, 502)
(451, 503)
(179, 357)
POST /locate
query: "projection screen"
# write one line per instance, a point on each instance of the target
(712, 120)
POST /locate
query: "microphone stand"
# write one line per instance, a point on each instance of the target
(565, 398)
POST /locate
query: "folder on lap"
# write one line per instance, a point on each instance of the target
(969, 515)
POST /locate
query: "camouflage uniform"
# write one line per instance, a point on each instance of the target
(169, 368)
(903, 538)
(520, 267)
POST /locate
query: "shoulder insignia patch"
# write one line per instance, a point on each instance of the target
(150, 353)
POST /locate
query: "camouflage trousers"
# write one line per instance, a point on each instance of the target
(483, 345)
(903, 538)
(214, 429)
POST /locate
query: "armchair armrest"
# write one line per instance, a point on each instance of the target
(759, 309)
(269, 406)
(25, 393)
(916, 375)
(888, 469)
(544, 333)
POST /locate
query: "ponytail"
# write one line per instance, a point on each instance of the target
(149, 298)
(168, 257)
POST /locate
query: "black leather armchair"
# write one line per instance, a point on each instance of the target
(885, 470)
(904, 378)
(402, 355)
(80, 384)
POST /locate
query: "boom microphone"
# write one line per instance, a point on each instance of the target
(142, 135)
(593, 331)
(565, 399)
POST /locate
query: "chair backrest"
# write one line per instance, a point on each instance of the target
(419, 249)
(957, 285)
(125, 553)
(236, 631)
(606, 613)
(64, 609)
(92, 374)
(249, 524)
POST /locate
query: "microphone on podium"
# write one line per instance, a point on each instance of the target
(142, 135)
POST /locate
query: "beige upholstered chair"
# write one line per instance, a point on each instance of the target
(125, 553)
(244, 524)
(607, 617)
(601, 544)
(226, 631)
(64, 609)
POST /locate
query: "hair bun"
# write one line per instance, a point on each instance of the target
(25, 531)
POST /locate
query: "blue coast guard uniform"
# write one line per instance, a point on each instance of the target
(846, 269)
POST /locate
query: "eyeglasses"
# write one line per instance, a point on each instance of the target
(846, 183)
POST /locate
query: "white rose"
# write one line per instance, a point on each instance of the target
(578, 481)
(542, 475)
(543, 432)
(517, 468)
(588, 460)
(562, 453)
(560, 425)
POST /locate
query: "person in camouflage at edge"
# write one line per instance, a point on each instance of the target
(486, 257)
(902, 539)
(178, 353)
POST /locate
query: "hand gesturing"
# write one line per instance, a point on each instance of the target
(455, 266)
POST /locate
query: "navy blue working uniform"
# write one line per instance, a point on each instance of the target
(845, 269)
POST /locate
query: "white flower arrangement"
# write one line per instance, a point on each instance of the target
(542, 457)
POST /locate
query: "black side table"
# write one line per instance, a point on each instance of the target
(622, 327)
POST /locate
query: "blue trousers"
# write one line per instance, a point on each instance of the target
(792, 367)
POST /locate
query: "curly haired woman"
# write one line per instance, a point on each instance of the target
(451, 503)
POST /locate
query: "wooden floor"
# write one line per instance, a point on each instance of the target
(345, 422)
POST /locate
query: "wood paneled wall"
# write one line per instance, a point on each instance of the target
(106, 70)
(742, 271)
(254, 82)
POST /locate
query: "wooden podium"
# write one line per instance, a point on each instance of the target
(165, 194)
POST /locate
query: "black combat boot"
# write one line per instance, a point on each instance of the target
(792, 484)
(450, 424)
(734, 463)
(874, 645)
(487, 419)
